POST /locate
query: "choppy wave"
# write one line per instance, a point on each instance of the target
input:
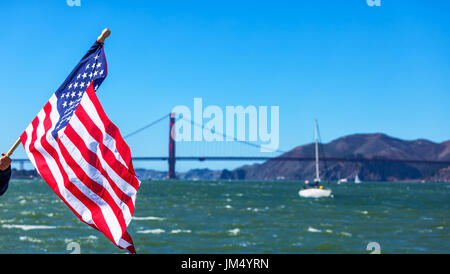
(149, 218)
(257, 209)
(234, 232)
(346, 234)
(152, 231)
(312, 229)
(176, 231)
(7, 221)
(29, 227)
(30, 239)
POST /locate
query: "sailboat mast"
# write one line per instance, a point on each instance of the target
(317, 151)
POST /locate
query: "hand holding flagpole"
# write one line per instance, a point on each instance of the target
(101, 39)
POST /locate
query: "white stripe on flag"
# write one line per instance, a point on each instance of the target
(74, 202)
(93, 146)
(106, 210)
(108, 141)
(93, 173)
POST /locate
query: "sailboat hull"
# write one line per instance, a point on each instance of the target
(315, 193)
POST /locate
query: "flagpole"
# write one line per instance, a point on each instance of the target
(13, 148)
(101, 39)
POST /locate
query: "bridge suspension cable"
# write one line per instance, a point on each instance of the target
(227, 137)
(147, 126)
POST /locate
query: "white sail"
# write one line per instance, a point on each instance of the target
(357, 180)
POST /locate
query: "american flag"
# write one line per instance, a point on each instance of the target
(82, 156)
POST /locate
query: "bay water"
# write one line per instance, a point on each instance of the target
(239, 217)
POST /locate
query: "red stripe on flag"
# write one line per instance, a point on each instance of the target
(127, 238)
(92, 159)
(66, 181)
(104, 192)
(111, 129)
(43, 168)
(107, 154)
(95, 187)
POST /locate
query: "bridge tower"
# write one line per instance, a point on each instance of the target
(171, 174)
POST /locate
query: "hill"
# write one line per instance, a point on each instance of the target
(357, 146)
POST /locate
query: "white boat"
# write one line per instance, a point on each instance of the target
(344, 180)
(357, 180)
(314, 193)
(317, 191)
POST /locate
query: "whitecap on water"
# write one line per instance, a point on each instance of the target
(427, 218)
(346, 234)
(312, 229)
(149, 218)
(7, 221)
(152, 231)
(234, 232)
(29, 239)
(176, 231)
(29, 227)
(256, 209)
(245, 244)
(90, 238)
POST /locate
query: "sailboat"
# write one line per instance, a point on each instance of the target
(317, 191)
(357, 180)
(341, 180)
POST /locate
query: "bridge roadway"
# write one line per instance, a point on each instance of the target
(281, 158)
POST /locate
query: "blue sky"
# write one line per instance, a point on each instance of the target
(357, 69)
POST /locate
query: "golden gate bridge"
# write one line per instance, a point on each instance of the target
(172, 158)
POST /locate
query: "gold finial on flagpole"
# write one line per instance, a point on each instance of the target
(106, 32)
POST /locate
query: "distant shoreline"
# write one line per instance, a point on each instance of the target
(302, 182)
